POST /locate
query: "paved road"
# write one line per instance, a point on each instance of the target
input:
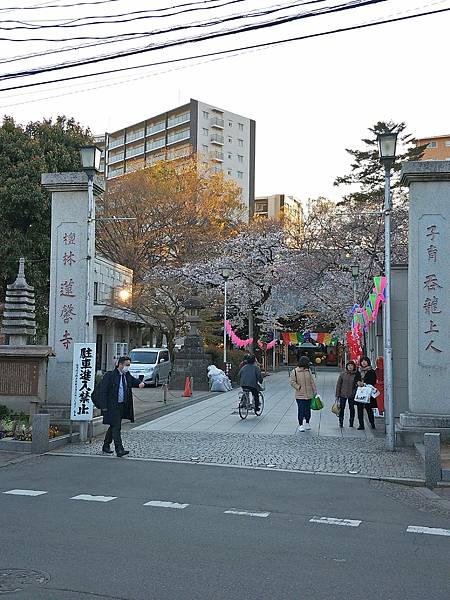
(211, 532)
(211, 431)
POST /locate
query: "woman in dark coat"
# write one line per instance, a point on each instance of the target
(117, 403)
(366, 375)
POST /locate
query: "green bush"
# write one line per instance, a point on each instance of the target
(4, 411)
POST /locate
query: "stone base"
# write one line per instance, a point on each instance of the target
(412, 428)
(432, 420)
(191, 367)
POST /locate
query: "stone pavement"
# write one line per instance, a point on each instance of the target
(211, 431)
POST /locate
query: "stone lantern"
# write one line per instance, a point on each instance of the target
(192, 361)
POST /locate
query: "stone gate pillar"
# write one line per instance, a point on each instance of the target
(69, 264)
(428, 295)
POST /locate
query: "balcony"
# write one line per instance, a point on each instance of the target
(217, 156)
(217, 139)
(216, 122)
(115, 142)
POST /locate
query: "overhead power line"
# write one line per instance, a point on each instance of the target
(208, 36)
(240, 49)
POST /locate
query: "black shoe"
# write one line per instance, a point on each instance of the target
(106, 450)
(373, 427)
(341, 425)
(350, 424)
(122, 453)
(360, 428)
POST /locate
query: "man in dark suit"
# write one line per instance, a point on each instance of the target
(117, 403)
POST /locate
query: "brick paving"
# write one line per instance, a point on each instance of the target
(212, 432)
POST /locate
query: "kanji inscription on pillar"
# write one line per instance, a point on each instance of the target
(434, 287)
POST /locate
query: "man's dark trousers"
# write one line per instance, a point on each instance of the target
(113, 433)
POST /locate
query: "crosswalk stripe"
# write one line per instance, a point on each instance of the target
(90, 498)
(25, 492)
(428, 530)
(247, 513)
(334, 521)
(164, 504)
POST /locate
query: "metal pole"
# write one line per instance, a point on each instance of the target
(354, 291)
(225, 327)
(388, 384)
(274, 352)
(89, 254)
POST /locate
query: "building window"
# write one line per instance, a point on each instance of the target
(241, 126)
(240, 142)
(230, 139)
(432, 144)
(95, 291)
(155, 127)
(447, 143)
(240, 175)
(205, 148)
(240, 158)
(205, 114)
(229, 172)
(230, 123)
(205, 131)
(158, 143)
(230, 156)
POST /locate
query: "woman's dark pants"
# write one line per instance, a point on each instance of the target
(304, 410)
(370, 414)
(351, 406)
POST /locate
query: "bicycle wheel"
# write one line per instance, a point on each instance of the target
(243, 406)
(261, 405)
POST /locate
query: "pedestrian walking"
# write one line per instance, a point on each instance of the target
(305, 388)
(345, 392)
(366, 376)
(117, 400)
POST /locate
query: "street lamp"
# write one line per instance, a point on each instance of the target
(225, 275)
(90, 160)
(355, 273)
(387, 145)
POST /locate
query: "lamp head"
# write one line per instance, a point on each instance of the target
(355, 271)
(90, 158)
(124, 294)
(387, 143)
(226, 273)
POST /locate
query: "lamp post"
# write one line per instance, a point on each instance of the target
(225, 275)
(90, 160)
(387, 144)
(355, 273)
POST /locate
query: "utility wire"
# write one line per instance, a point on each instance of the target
(208, 36)
(241, 49)
(351, 4)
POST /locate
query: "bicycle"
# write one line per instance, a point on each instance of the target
(246, 403)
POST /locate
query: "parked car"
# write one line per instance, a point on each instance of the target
(152, 365)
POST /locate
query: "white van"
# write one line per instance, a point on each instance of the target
(152, 365)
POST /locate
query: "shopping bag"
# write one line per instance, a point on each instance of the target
(363, 394)
(336, 408)
(316, 402)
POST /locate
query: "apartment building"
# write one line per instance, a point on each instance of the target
(279, 207)
(437, 147)
(215, 134)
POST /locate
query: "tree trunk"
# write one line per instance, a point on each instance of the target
(251, 327)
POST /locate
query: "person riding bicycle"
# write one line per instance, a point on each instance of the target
(249, 377)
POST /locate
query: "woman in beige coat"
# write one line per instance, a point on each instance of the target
(305, 387)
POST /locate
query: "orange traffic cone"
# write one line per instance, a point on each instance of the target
(187, 388)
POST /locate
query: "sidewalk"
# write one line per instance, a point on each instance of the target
(220, 415)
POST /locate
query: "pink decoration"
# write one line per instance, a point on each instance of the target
(271, 344)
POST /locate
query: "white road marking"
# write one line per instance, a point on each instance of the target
(334, 521)
(90, 498)
(25, 492)
(429, 530)
(163, 504)
(247, 513)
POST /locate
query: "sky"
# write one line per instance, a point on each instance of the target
(311, 99)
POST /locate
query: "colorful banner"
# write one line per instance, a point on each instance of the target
(298, 338)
